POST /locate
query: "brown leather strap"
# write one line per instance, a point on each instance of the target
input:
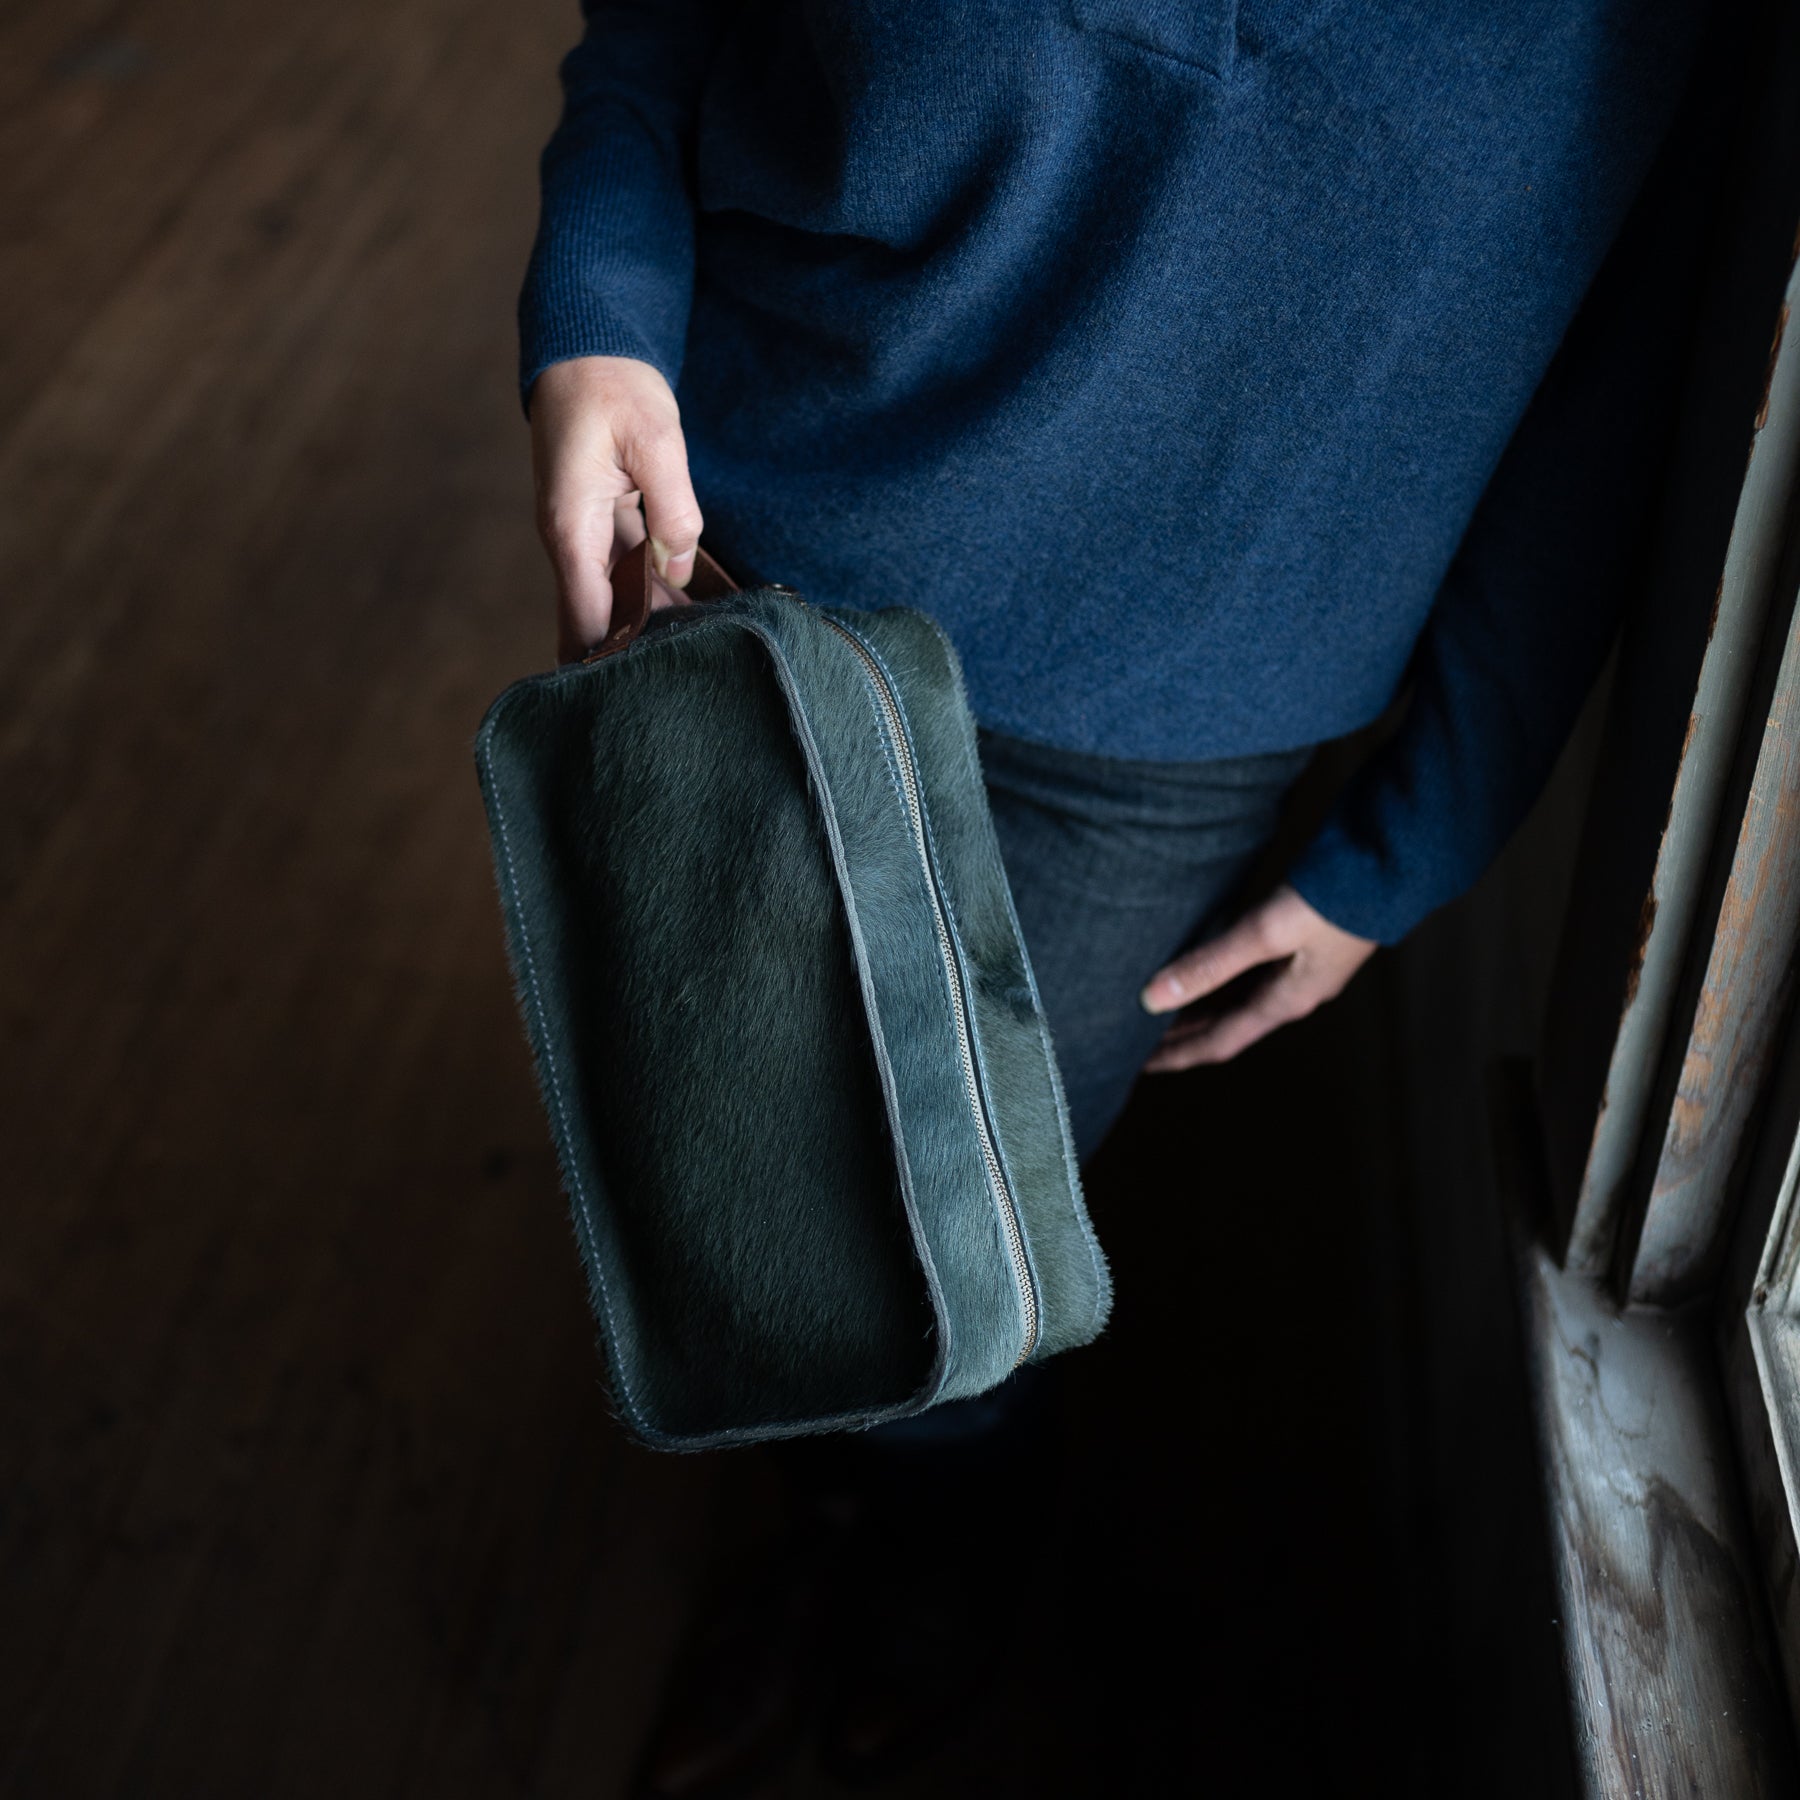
(631, 591)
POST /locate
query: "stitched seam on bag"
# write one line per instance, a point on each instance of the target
(1071, 1170)
(801, 725)
(892, 757)
(1083, 1223)
(1102, 1281)
(961, 954)
(943, 893)
(890, 754)
(583, 1205)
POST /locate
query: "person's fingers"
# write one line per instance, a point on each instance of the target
(1305, 961)
(1219, 1040)
(578, 533)
(1200, 971)
(579, 491)
(604, 429)
(628, 533)
(628, 523)
(655, 452)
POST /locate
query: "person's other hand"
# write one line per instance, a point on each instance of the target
(1305, 960)
(605, 429)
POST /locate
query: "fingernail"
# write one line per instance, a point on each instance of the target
(677, 571)
(1156, 997)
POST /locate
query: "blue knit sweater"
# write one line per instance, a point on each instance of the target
(1168, 353)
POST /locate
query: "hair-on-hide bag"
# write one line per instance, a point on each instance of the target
(786, 1032)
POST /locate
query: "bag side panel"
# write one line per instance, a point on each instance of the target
(688, 985)
(1025, 1091)
(896, 940)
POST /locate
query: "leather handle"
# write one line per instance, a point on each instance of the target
(632, 576)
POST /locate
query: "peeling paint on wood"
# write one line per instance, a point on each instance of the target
(1671, 907)
(1743, 998)
(1646, 924)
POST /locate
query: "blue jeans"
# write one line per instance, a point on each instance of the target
(1114, 867)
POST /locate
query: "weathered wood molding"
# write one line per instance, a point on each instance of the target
(1731, 1041)
(1671, 912)
(1672, 1673)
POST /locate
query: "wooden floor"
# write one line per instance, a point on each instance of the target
(309, 1484)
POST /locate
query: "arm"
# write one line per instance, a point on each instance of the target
(612, 269)
(1518, 633)
(603, 315)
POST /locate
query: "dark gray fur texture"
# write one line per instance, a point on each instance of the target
(1075, 1286)
(729, 977)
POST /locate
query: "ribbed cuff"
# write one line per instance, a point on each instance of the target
(1359, 888)
(558, 328)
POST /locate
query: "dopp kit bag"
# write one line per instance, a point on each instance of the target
(786, 1032)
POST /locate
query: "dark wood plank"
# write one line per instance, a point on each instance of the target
(290, 1301)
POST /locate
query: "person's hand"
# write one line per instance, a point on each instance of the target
(605, 429)
(1305, 959)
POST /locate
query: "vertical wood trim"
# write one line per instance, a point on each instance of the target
(1671, 908)
(1743, 998)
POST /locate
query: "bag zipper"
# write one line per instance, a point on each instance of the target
(959, 995)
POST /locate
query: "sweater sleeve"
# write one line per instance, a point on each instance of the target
(1531, 602)
(612, 269)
